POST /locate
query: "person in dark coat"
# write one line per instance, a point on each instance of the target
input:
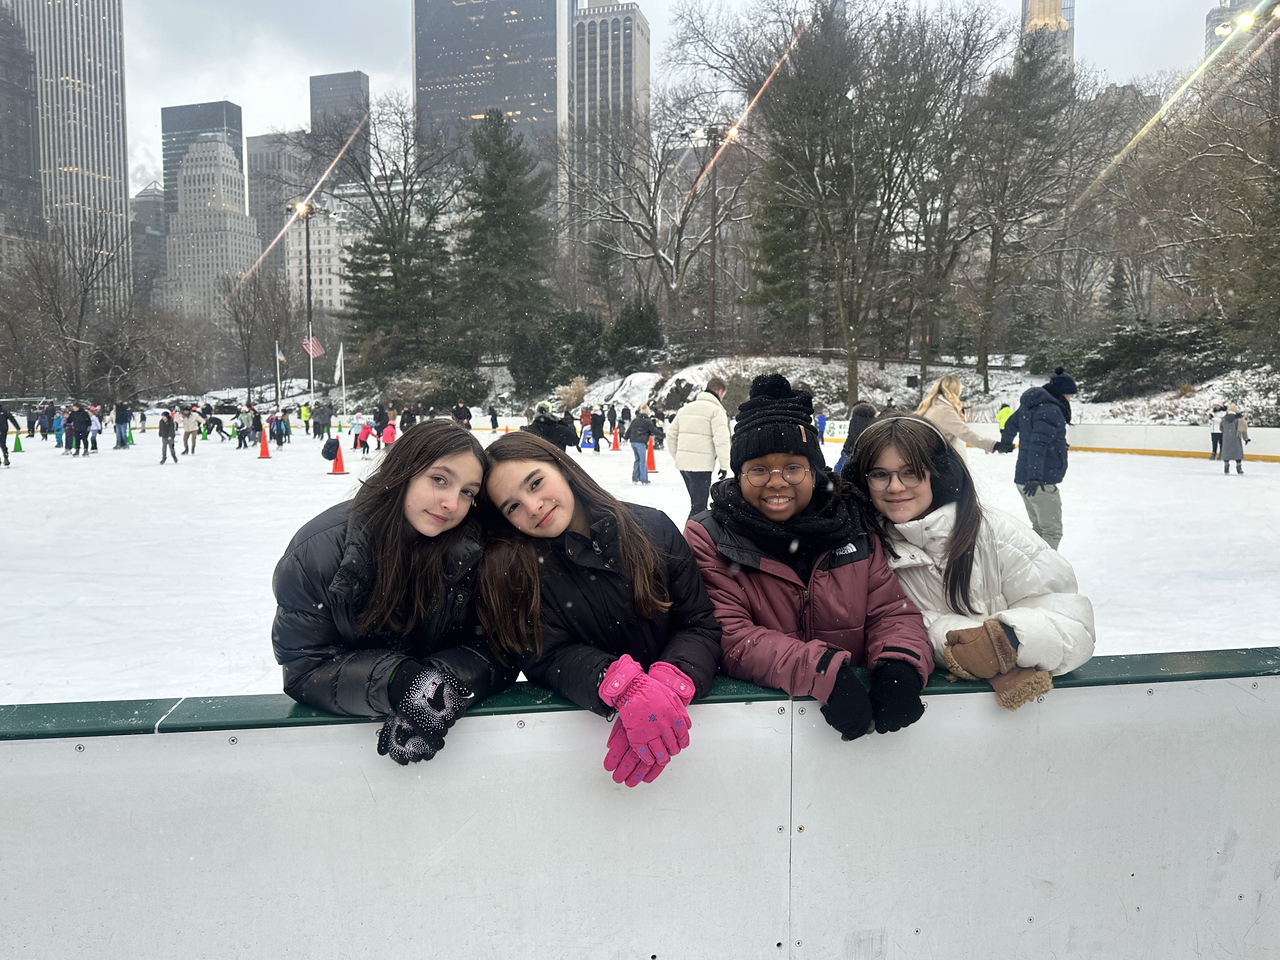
(462, 413)
(1040, 423)
(120, 414)
(79, 427)
(374, 612)
(613, 418)
(597, 600)
(597, 428)
(6, 418)
(31, 421)
(637, 434)
(860, 418)
(168, 431)
(407, 419)
(493, 417)
(554, 431)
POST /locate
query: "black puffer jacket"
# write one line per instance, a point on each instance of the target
(553, 431)
(322, 585)
(589, 619)
(1041, 420)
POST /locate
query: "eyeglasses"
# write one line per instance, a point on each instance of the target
(880, 479)
(793, 473)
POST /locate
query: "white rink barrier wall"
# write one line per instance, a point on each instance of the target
(1129, 813)
(1157, 440)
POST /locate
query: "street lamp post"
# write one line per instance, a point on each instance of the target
(714, 135)
(304, 211)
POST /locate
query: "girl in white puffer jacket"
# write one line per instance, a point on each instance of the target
(1000, 604)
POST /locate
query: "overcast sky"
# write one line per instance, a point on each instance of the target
(259, 53)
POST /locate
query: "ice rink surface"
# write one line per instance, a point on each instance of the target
(124, 579)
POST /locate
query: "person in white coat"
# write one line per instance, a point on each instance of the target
(999, 603)
(698, 439)
(941, 406)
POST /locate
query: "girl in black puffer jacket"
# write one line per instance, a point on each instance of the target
(374, 613)
(596, 600)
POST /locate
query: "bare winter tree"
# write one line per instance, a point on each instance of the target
(851, 97)
(68, 291)
(646, 195)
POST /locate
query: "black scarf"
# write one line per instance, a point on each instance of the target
(827, 523)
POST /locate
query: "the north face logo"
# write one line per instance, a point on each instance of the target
(847, 549)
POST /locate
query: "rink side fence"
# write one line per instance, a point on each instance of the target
(1129, 812)
(1154, 440)
(188, 714)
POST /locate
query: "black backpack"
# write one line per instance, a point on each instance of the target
(330, 449)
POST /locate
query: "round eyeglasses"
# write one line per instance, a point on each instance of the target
(793, 473)
(880, 479)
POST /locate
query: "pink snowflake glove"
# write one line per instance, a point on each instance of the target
(622, 761)
(654, 717)
(674, 679)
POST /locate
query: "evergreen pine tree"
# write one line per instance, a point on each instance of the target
(635, 336)
(504, 247)
(396, 304)
(1118, 292)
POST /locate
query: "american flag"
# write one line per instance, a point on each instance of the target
(312, 346)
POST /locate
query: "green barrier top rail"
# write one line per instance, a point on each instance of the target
(187, 714)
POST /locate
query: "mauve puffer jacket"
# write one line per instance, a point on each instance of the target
(777, 631)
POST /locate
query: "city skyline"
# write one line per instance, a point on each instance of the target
(256, 55)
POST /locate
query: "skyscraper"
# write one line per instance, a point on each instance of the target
(1220, 22)
(1056, 15)
(20, 208)
(78, 51)
(210, 237)
(277, 171)
(470, 57)
(339, 101)
(610, 58)
(146, 240)
(182, 126)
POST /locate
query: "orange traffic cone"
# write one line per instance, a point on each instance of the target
(338, 468)
(615, 439)
(506, 429)
(650, 464)
(265, 452)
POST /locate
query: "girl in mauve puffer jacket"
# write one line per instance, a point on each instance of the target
(1001, 605)
(802, 593)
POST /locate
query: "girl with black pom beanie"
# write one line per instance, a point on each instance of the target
(803, 594)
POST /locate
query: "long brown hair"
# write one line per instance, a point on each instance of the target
(925, 450)
(409, 567)
(509, 600)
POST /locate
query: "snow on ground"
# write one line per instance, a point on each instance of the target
(127, 580)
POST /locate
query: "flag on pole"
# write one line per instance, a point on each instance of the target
(312, 346)
(337, 366)
(279, 355)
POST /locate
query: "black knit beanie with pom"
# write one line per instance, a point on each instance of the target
(775, 419)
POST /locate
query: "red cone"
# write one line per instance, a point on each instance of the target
(265, 452)
(615, 439)
(338, 468)
(650, 464)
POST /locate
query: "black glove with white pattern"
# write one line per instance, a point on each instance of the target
(428, 701)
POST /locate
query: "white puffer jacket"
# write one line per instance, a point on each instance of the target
(1017, 579)
(699, 435)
